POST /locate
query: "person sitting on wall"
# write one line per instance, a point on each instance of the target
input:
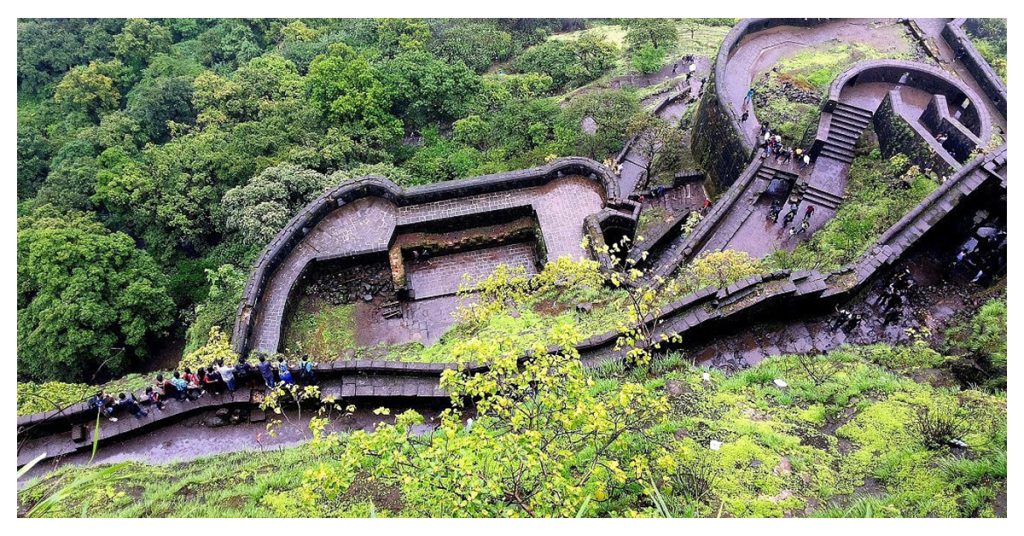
(180, 385)
(104, 404)
(129, 403)
(152, 398)
(306, 375)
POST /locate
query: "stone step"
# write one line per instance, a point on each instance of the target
(823, 199)
(843, 136)
(831, 152)
(850, 123)
(840, 148)
(854, 110)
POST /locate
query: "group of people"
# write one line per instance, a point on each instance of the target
(984, 255)
(794, 205)
(896, 296)
(217, 378)
(771, 144)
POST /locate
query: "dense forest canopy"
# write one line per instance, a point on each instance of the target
(190, 142)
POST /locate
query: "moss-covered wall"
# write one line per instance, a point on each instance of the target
(717, 145)
(896, 135)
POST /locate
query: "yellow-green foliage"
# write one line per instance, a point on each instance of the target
(816, 447)
(217, 348)
(36, 397)
(718, 268)
(511, 309)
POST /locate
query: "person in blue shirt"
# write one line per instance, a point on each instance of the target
(306, 371)
(131, 405)
(267, 371)
(180, 384)
(284, 372)
(104, 404)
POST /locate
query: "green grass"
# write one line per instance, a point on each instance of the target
(848, 440)
(322, 334)
(874, 202)
(229, 485)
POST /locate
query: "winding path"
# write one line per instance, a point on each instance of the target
(701, 315)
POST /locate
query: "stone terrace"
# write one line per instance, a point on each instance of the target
(367, 226)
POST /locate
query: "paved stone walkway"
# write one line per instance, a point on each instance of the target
(758, 53)
(633, 164)
(445, 274)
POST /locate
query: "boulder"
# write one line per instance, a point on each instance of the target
(784, 468)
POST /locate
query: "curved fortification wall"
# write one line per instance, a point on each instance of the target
(279, 249)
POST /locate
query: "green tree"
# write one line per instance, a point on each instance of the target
(48, 48)
(427, 90)
(139, 40)
(659, 145)
(648, 59)
(569, 63)
(658, 33)
(160, 104)
(476, 44)
(87, 298)
(611, 112)
(396, 35)
(259, 209)
(226, 283)
(349, 91)
(90, 89)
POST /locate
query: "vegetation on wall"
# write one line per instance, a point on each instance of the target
(878, 194)
(989, 37)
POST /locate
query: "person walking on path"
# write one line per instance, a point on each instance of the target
(790, 216)
(745, 115)
(808, 211)
(806, 161)
(749, 97)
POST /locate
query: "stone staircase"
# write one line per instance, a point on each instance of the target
(848, 123)
(820, 197)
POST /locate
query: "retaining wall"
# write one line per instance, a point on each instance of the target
(766, 296)
(281, 246)
(993, 86)
(899, 132)
(718, 143)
